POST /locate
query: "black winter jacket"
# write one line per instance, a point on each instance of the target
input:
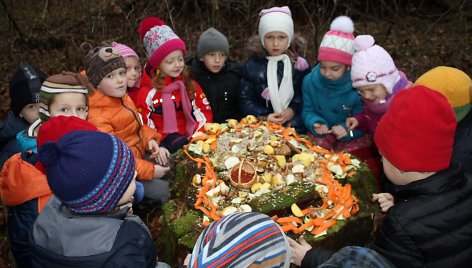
(430, 224)
(221, 89)
(10, 127)
(462, 152)
(254, 81)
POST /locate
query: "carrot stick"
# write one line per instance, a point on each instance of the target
(289, 220)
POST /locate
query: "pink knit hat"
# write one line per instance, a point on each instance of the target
(372, 65)
(338, 43)
(125, 51)
(159, 40)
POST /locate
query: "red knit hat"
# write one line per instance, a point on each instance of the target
(417, 132)
(58, 126)
(159, 40)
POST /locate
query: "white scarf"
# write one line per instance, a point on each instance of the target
(279, 97)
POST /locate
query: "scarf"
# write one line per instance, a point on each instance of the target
(280, 97)
(168, 109)
(239, 240)
(327, 87)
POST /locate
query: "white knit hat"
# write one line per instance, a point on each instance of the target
(276, 19)
(371, 65)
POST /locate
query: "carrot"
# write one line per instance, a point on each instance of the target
(324, 227)
(351, 174)
(289, 227)
(289, 220)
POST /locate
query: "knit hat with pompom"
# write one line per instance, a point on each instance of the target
(338, 43)
(372, 65)
(83, 187)
(159, 40)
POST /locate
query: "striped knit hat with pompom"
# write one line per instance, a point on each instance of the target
(83, 187)
(338, 43)
(242, 239)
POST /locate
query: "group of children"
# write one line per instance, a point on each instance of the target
(78, 149)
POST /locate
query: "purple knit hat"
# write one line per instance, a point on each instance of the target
(89, 171)
(159, 40)
(125, 51)
(371, 64)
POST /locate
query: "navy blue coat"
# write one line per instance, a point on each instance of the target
(462, 151)
(254, 81)
(10, 127)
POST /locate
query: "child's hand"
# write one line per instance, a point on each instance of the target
(163, 156)
(298, 250)
(339, 131)
(385, 200)
(153, 148)
(351, 123)
(321, 129)
(287, 115)
(160, 171)
(276, 118)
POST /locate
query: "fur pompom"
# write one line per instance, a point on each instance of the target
(147, 24)
(342, 24)
(363, 42)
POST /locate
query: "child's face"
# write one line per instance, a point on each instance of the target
(332, 70)
(133, 70)
(373, 93)
(114, 83)
(173, 64)
(214, 61)
(128, 195)
(69, 104)
(393, 173)
(30, 112)
(276, 43)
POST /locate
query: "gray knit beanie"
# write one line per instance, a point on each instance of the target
(212, 40)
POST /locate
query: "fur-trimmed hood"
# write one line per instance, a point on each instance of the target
(297, 47)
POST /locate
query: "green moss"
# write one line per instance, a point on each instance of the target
(185, 224)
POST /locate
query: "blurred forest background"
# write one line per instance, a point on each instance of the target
(419, 34)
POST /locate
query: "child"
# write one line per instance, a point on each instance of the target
(175, 104)
(24, 187)
(92, 206)
(24, 98)
(377, 80)
(217, 74)
(456, 86)
(112, 111)
(430, 224)
(242, 240)
(271, 82)
(133, 68)
(328, 96)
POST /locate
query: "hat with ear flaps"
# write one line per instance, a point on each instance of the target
(82, 187)
(159, 40)
(100, 61)
(372, 64)
(276, 19)
(452, 83)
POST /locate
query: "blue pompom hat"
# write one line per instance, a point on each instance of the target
(88, 171)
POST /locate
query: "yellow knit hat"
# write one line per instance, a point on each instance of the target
(452, 83)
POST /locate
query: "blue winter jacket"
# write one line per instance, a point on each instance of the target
(254, 81)
(325, 102)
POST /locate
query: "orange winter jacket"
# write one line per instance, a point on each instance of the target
(21, 181)
(118, 116)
